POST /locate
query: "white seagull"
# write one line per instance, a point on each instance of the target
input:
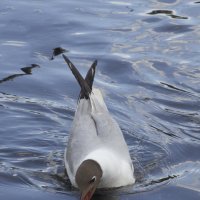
(97, 155)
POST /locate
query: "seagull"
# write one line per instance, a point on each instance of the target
(96, 155)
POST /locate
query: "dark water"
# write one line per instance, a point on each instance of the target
(148, 68)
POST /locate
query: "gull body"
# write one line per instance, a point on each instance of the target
(97, 155)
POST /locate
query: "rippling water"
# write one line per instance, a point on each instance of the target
(148, 70)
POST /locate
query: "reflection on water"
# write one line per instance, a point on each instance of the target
(173, 87)
(174, 28)
(11, 77)
(166, 12)
(26, 70)
(57, 51)
(148, 71)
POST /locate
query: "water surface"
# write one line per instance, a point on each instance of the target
(148, 70)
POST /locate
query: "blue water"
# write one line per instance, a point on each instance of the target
(148, 70)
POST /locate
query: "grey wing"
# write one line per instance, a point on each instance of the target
(82, 140)
(110, 133)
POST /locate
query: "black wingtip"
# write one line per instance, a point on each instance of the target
(95, 63)
(67, 61)
(65, 58)
(89, 78)
(85, 84)
(90, 74)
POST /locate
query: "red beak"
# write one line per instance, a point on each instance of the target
(88, 195)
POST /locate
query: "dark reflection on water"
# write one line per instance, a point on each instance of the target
(148, 70)
(11, 77)
(166, 12)
(57, 51)
(167, 1)
(26, 70)
(174, 28)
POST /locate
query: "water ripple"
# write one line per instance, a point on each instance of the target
(148, 69)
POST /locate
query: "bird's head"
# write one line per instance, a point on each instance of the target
(88, 177)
